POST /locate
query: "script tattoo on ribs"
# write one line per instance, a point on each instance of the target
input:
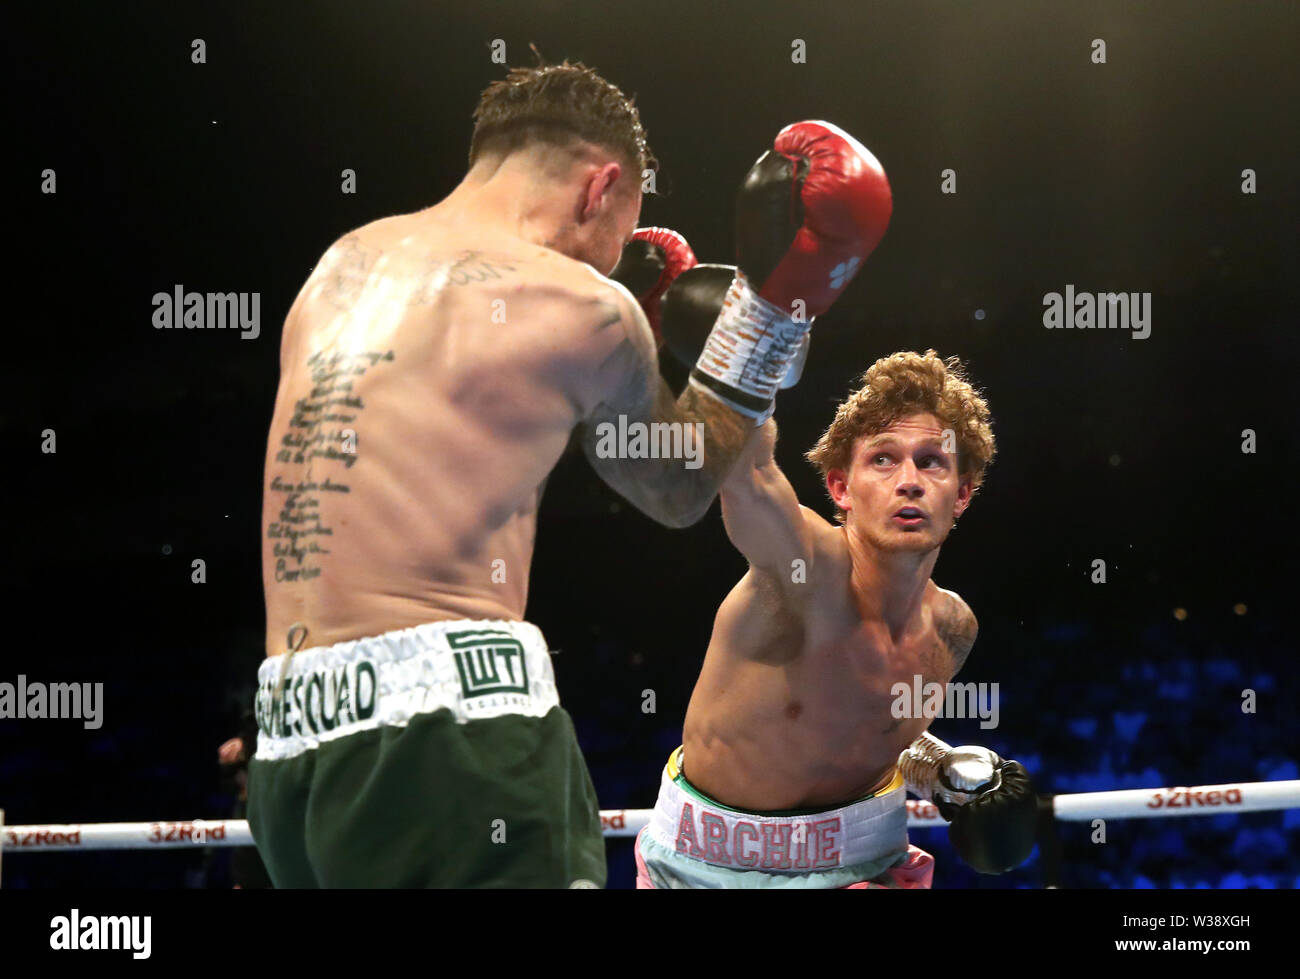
(317, 450)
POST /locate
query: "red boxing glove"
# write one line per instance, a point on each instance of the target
(808, 214)
(649, 264)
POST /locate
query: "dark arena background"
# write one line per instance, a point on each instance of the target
(1162, 162)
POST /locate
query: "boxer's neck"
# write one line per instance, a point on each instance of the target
(889, 586)
(521, 195)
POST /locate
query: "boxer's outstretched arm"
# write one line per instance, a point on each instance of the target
(762, 513)
(675, 491)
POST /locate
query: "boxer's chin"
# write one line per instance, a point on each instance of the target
(905, 542)
(912, 543)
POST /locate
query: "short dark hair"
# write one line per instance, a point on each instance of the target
(558, 104)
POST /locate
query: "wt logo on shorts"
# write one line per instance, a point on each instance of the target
(489, 662)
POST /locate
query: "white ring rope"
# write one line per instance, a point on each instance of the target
(1200, 800)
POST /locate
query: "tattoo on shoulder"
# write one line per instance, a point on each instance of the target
(957, 629)
(350, 263)
(609, 314)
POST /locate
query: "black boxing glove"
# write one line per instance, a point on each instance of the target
(994, 832)
(650, 263)
(989, 803)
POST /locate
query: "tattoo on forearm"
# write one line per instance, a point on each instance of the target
(673, 491)
(725, 432)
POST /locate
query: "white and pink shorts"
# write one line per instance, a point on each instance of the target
(693, 841)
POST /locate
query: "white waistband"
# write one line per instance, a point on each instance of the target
(475, 669)
(857, 833)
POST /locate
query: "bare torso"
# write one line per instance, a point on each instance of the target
(430, 378)
(792, 709)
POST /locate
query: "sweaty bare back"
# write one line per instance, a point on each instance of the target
(430, 379)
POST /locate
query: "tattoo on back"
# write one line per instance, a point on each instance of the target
(610, 315)
(468, 268)
(316, 452)
(352, 262)
(347, 274)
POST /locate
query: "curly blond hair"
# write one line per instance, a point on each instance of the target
(903, 384)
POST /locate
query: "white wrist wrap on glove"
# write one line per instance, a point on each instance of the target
(750, 347)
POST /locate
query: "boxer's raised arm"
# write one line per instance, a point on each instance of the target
(701, 435)
(761, 512)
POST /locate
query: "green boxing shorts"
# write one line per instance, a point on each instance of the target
(435, 756)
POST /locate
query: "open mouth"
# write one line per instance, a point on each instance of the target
(909, 516)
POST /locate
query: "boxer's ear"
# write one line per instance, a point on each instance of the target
(600, 183)
(837, 485)
(965, 489)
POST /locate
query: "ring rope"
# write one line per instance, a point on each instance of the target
(1200, 800)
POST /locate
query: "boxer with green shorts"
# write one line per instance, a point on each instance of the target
(433, 370)
(458, 721)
